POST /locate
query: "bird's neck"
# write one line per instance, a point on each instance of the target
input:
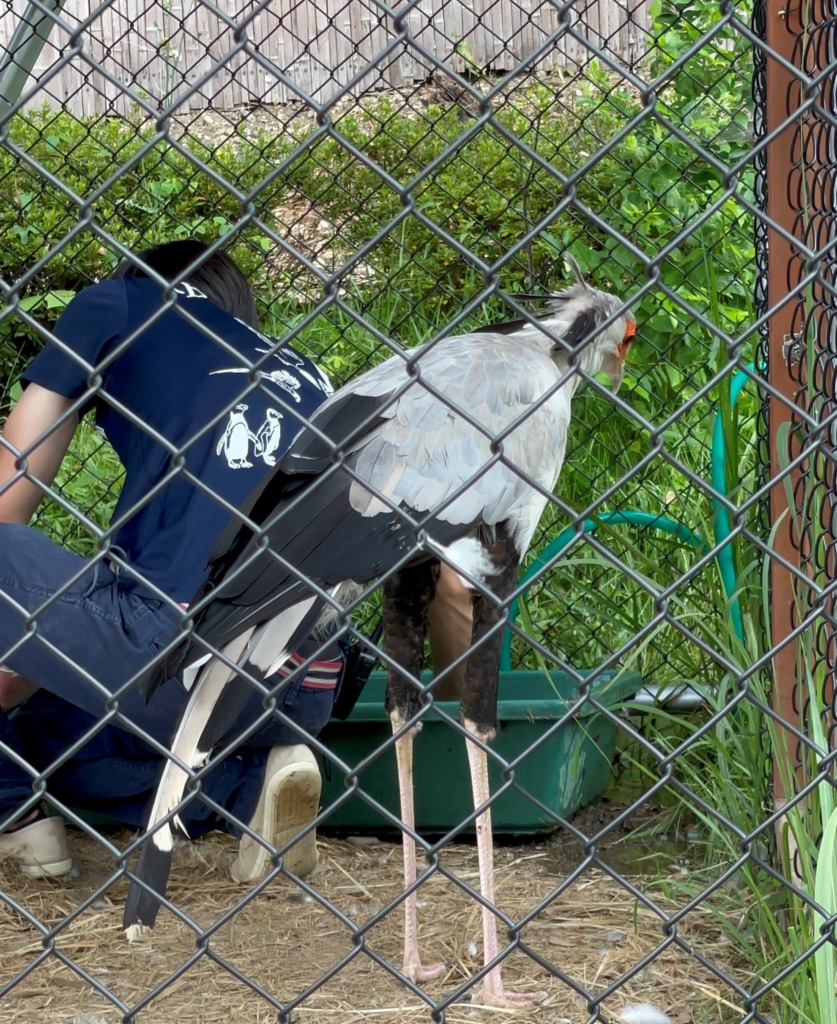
(588, 357)
(562, 361)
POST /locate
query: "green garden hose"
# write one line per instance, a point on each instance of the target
(726, 563)
(563, 540)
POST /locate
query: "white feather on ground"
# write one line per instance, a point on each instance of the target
(643, 1013)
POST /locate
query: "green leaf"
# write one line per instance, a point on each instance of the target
(826, 895)
(51, 300)
(661, 321)
(552, 241)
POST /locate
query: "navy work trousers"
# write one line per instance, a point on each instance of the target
(81, 634)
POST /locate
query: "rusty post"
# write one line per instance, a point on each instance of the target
(781, 92)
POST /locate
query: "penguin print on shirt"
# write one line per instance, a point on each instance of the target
(235, 441)
(269, 437)
(237, 437)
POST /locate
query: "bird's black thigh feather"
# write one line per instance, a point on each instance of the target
(482, 672)
(407, 596)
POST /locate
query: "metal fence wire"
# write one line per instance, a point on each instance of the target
(387, 175)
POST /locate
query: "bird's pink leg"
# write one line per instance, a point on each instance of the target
(413, 967)
(493, 992)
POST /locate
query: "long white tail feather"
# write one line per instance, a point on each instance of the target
(271, 652)
(202, 699)
(190, 673)
(266, 649)
(261, 647)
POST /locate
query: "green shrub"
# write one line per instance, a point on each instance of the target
(485, 194)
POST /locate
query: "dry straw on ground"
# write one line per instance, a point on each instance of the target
(595, 931)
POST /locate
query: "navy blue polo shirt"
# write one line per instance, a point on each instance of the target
(174, 380)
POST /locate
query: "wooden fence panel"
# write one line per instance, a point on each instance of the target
(160, 49)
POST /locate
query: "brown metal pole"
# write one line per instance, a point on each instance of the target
(782, 27)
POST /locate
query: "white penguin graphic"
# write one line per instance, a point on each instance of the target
(268, 437)
(236, 439)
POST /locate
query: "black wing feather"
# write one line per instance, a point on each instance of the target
(153, 867)
(326, 541)
(343, 421)
(506, 327)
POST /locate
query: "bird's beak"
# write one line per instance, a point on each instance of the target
(616, 374)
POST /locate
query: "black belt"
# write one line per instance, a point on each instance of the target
(361, 657)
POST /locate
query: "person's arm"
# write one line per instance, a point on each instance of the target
(34, 414)
(37, 411)
(57, 376)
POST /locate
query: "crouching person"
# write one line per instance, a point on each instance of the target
(172, 387)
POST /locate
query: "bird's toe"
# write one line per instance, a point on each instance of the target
(497, 995)
(418, 972)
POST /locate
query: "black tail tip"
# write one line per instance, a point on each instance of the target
(142, 906)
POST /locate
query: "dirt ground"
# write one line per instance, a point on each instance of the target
(594, 930)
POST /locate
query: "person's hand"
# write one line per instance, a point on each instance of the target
(14, 689)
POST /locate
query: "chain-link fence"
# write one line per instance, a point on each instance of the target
(387, 176)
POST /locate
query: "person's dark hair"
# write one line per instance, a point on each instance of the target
(218, 277)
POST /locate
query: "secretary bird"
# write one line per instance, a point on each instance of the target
(418, 482)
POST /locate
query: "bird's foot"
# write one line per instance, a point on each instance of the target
(417, 972)
(494, 993)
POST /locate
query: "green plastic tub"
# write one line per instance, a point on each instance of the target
(568, 770)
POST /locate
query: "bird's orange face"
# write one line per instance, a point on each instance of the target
(625, 343)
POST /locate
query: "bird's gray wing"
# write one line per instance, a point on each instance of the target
(424, 453)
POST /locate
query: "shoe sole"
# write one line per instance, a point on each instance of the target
(60, 867)
(292, 799)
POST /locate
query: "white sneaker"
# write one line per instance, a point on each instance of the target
(289, 801)
(40, 848)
